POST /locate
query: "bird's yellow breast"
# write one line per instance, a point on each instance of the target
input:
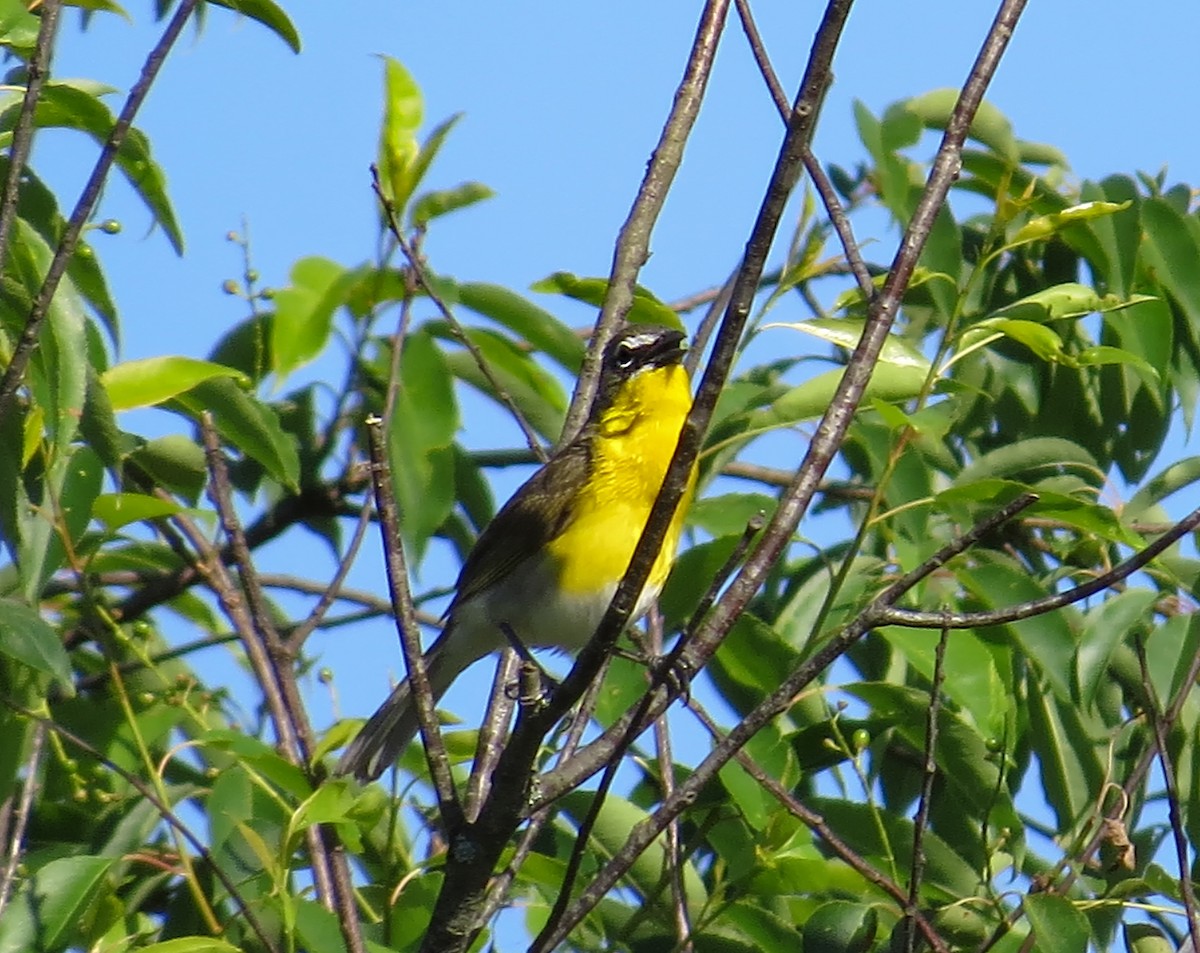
(632, 446)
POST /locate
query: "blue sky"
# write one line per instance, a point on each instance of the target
(563, 103)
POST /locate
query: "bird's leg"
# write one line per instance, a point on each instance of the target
(676, 674)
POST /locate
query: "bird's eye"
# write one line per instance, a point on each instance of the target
(623, 357)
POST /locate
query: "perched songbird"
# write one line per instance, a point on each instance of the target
(549, 563)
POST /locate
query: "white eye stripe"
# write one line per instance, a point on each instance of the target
(638, 341)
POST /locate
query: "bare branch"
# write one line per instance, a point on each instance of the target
(420, 270)
(891, 615)
(928, 773)
(633, 243)
(1178, 833)
(20, 822)
(409, 632)
(829, 196)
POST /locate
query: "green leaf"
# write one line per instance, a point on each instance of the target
(1058, 926)
(646, 308)
(536, 394)
(432, 205)
(44, 914)
(18, 27)
(304, 312)
(98, 425)
(403, 109)
(846, 333)
(75, 480)
(269, 15)
(152, 380)
(989, 126)
(38, 208)
(749, 661)
(74, 105)
(972, 680)
(1047, 640)
(947, 875)
(1105, 627)
(1071, 770)
(729, 514)
(616, 819)
(1030, 459)
(525, 319)
(174, 462)
(190, 944)
(968, 768)
(1102, 354)
(1037, 337)
(851, 300)
(812, 398)
(27, 638)
(248, 424)
(984, 496)
(1043, 226)
(1177, 476)
(840, 926)
(423, 425)
(120, 509)
(1171, 248)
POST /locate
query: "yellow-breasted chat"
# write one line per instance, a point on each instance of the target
(548, 564)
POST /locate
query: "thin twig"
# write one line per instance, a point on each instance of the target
(492, 732)
(836, 421)
(14, 374)
(633, 242)
(21, 818)
(1178, 833)
(22, 136)
(333, 591)
(274, 669)
(829, 196)
(455, 916)
(253, 619)
(501, 884)
(324, 499)
(673, 856)
(783, 179)
(418, 267)
(712, 317)
(969, 620)
(410, 635)
(928, 773)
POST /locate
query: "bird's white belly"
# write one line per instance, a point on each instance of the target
(537, 611)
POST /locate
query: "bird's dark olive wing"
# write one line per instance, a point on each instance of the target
(537, 513)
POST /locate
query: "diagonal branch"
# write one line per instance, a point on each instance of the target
(14, 374)
(22, 137)
(633, 243)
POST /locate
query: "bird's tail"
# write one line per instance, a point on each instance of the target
(388, 732)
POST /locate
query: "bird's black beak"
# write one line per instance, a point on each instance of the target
(668, 349)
